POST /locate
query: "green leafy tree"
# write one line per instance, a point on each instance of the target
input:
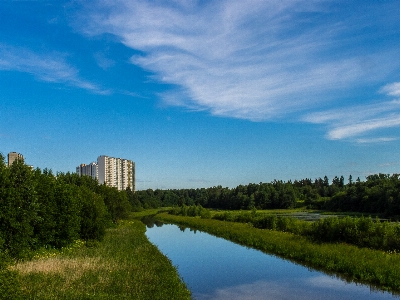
(18, 208)
(45, 228)
(134, 200)
(117, 202)
(67, 215)
(93, 215)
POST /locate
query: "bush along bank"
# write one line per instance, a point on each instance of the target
(374, 267)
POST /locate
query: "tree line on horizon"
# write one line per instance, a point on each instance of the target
(378, 194)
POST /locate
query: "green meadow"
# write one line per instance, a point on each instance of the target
(125, 265)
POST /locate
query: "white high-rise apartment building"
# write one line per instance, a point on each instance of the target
(116, 172)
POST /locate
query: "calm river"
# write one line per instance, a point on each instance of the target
(214, 268)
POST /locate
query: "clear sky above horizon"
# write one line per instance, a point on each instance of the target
(203, 93)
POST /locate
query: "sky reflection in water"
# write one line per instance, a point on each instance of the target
(214, 268)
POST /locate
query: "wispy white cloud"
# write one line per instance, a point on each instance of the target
(376, 140)
(50, 67)
(392, 89)
(248, 59)
(360, 120)
(388, 164)
(356, 129)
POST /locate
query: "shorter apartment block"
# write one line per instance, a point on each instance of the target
(12, 156)
(88, 170)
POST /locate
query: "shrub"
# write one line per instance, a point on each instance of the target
(191, 211)
(93, 215)
(363, 232)
(117, 203)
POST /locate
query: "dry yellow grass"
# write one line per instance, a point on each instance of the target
(73, 268)
(58, 265)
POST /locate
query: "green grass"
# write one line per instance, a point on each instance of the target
(265, 211)
(147, 212)
(125, 265)
(378, 268)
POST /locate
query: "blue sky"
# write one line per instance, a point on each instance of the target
(203, 93)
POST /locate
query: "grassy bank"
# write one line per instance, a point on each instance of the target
(125, 265)
(361, 264)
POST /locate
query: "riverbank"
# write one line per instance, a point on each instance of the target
(374, 267)
(125, 265)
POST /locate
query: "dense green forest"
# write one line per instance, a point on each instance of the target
(378, 194)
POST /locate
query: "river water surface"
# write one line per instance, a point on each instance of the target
(214, 268)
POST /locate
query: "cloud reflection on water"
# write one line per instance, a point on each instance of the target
(328, 288)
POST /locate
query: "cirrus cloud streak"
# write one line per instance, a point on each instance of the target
(256, 60)
(50, 67)
(360, 120)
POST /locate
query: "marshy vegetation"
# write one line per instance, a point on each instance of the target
(360, 231)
